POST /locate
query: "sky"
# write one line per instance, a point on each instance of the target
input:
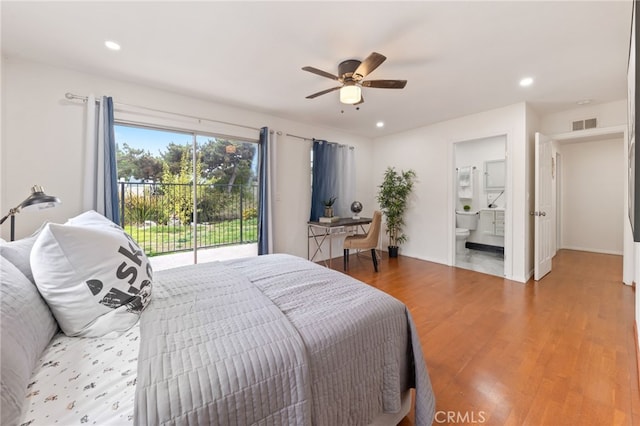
(152, 140)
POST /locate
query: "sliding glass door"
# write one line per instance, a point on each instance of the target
(183, 191)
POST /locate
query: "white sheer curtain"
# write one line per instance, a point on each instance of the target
(346, 188)
(268, 152)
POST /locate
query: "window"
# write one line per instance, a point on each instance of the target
(185, 190)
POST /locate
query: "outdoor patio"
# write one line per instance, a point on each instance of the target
(167, 261)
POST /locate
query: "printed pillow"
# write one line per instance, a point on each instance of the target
(94, 277)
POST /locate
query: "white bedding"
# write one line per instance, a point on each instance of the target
(84, 381)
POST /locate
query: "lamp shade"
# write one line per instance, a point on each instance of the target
(38, 199)
(350, 94)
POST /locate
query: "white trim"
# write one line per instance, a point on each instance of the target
(612, 131)
(593, 250)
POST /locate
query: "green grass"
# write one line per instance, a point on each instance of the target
(163, 239)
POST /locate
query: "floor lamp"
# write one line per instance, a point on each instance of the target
(37, 199)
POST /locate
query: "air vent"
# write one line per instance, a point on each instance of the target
(589, 123)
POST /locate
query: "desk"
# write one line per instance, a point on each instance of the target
(319, 231)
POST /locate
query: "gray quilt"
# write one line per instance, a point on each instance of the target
(275, 340)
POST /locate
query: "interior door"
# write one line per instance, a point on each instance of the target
(543, 207)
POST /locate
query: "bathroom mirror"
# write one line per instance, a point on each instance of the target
(494, 173)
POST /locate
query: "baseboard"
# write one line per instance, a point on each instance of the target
(635, 339)
(593, 250)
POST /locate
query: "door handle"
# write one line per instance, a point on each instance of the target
(538, 213)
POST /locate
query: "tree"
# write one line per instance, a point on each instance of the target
(138, 163)
(393, 197)
(178, 189)
(174, 155)
(228, 162)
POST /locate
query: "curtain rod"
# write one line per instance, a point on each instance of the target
(311, 139)
(300, 137)
(71, 96)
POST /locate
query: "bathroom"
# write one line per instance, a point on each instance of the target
(480, 200)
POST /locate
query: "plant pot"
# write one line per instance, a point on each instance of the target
(393, 251)
(328, 212)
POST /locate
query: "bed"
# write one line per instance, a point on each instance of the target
(267, 340)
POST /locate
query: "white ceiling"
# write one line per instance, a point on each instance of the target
(459, 57)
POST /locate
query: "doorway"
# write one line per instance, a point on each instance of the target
(588, 187)
(480, 201)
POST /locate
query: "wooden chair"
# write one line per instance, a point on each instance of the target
(368, 241)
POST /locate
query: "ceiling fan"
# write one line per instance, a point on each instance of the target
(351, 74)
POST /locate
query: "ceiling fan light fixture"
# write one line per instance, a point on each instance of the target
(350, 94)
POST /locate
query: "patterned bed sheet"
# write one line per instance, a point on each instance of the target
(84, 381)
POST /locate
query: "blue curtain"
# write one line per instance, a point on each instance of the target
(324, 182)
(263, 195)
(110, 163)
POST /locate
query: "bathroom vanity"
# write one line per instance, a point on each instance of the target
(489, 236)
(492, 222)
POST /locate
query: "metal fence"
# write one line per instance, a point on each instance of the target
(160, 217)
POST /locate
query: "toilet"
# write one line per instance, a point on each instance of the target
(465, 223)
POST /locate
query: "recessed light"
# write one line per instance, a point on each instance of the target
(527, 81)
(380, 124)
(112, 45)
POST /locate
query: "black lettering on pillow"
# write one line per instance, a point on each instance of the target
(138, 303)
(95, 286)
(123, 273)
(134, 255)
(116, 298)
(135, 305)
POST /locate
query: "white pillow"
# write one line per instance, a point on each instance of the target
(94, 277)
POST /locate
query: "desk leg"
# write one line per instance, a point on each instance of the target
(312, 235)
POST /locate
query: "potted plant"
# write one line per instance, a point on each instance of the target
(466, 207)
(393, 195)
(328, 206)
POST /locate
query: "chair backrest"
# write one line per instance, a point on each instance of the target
(374, 229)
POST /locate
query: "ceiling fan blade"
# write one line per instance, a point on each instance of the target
(315, 95)
(385, 84)
(320, 72)
(372, 62)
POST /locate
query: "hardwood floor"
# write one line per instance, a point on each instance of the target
(557, 352)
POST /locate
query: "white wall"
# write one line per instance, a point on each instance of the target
(592, 195)
(429, 151)
(532, 126)
(43, 143)
(607, 115)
